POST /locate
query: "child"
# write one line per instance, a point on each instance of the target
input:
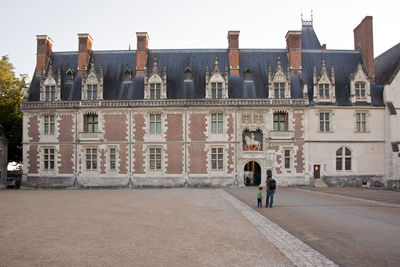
(259, 197)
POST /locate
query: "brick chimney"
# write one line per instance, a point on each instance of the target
(293, 49)
(364, 41)
(233, 42)
(84, 49)
(44, 49)
(141, 53)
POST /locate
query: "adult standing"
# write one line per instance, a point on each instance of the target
(271, 188)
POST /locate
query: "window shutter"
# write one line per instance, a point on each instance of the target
(85, 123)
(286, 122)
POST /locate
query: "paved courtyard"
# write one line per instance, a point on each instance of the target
(198, 227)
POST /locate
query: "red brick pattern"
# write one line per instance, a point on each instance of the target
(299, 159)
(174, 159)
(102, 161)
(115, 127)
(33, 159)
(122, 159)
(230, 159)
(139, 129)
(276, 148)
(33, 129)
(174, 127)
(298, 126)
(197, 159)
(139, 160)
(299, 137)
(65, 163)
(66, 124)
(230, 127)
(197, 127)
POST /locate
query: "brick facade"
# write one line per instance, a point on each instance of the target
(123, 159)
(102, 161)
(174, 127)
(33, 129)
(33, 159)
(197, 127)
(66, 157)
(174, 158)
(66, 128)
(115, 127)
(197, 159)
(138, 159)
(139, 127)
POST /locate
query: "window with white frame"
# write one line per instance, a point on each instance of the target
(287, 159)
(48, 159)
(155, 158)
(323, 89)
(217, 122)
(361, 121)
(155, 123)
(112, 158)
(155, 90)
(324, 124)
(216, 89)
(50, 92)
(217, 158)
(49, 124)
(280, 121)
(91, 92)
(343, 159)
(91, 159)
(90, 123)
(279, 90)
(360, 90)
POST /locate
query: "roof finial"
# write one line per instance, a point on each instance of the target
(216, 65)
(155, 66)
(307, 22)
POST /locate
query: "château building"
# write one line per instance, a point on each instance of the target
(206, 117)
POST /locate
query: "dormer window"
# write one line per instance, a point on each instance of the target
(70, 75)
(216, 83)
(50, 85)
(279, 82)
(155, 85)
(155, 90)
(127, 75)
(324, 90)
(91, 92)
(279, 90)
(360, 86)
(50, 93)
(324, 84)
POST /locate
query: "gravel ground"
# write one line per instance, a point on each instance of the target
(149, 227)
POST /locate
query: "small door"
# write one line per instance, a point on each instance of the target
(317, 171)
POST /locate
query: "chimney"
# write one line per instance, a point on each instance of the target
(293, 50)
(233, 41)
(44, 49)
(84, 50)
(141, 53)
(324, 47)
(364, 42)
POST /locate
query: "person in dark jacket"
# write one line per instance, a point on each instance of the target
(270, 188)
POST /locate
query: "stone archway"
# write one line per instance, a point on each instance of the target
(252, 173)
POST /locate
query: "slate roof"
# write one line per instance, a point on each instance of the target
(387, 65)
(115, 63)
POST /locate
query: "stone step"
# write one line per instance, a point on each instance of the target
(320, 183)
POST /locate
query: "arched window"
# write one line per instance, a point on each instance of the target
(343, 159)
(280, 121)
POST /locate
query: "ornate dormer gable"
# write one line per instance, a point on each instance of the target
(50, 85)
(360, 86)
(92, 84)
(155, 85)
(127, 74)
(70, 75)
(188, 74)
(278, 81)
(324, 86)
(216, 82)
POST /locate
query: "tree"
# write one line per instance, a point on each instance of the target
(10, 117)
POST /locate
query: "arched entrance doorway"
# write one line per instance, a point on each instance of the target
(252, 173)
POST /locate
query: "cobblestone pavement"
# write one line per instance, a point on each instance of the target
(146, 227)
(299, 253)
(348, 230)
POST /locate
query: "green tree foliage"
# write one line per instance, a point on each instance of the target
(11, 91)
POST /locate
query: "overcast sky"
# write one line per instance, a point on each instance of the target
(185, 24)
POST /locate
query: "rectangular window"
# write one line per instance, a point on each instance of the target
(155, 91)
(361, 121)
(360, 90)
(48, 124)
(287, 159)
(112, 158)
(50, 93)
(280, 122)
(92, 92)
(48, 159)
(279, 90)
(155, 158)
(91, 158)
(323, 90)
(216, 90)
(217, 158)
(324, 122)
(91, 123)
(155, 123)
(217, 123)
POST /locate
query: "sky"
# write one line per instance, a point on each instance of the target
(173, 24)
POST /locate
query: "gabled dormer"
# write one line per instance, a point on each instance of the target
(155, 85)
(216, 82)
(324, 85)
(360, 90)
(92, 83)
(278, 81)
(50, 85)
